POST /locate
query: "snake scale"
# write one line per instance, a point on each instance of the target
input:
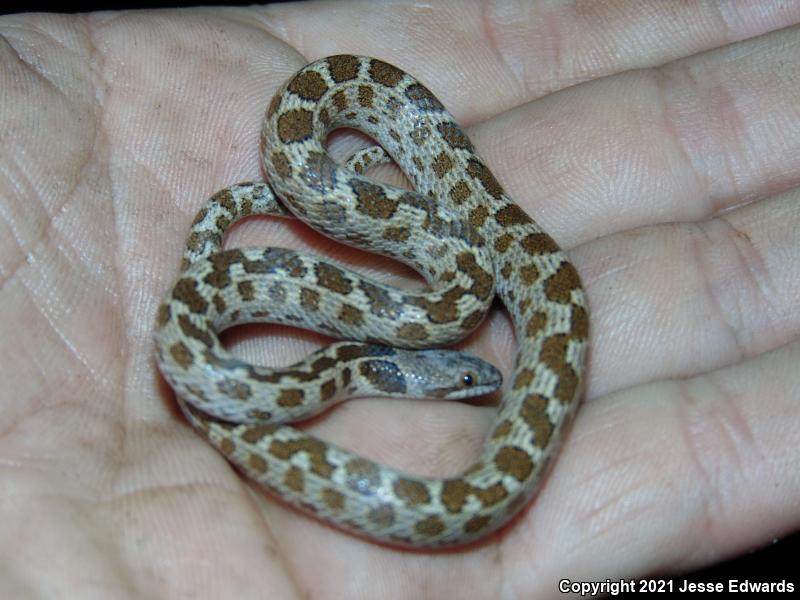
(458, 229)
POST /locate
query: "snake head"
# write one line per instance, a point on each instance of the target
(446, 374)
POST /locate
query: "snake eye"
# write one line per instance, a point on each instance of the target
(468, 380)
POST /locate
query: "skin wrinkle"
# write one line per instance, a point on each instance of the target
(730, 237)
(662, 79)
(701, 397)
(714, 97)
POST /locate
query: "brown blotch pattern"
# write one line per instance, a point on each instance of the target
(481, 172)
(314, 449)
(476, 524)
(294, 479)
(412, 332)
(423, 98)
(528, 274)
(309, 299)
(382, 516)
(442, 164)
(219, 304)
(491, 495)
(538, 243)
(350, 352)
(536, 324)
(384, 73)
(274, 104)
(460, 192)
(482, 282)
(365, 96)
(185, 291)
(220, 276)
(325, 117)
(295, 125)
(200, 216)
(351, 315)
(327, 390)
(295, 267)
(397, 234)
(511, 214)
(534, 412)
(580, 323)
(225, 199)
(346, 376)
(502, 429)
(227, 447)
(340, 101)
(333, 278)
(363, 475)
(332, 499)
(523, 378)
(309, 85)
(289, 398)
(164, 315)
(430, 526)
(472, 320)
(562, 283)
(454, 136)
(454, 494)
(281, 164)
(237, 390)
(257, 463)
(514, 462)
(372, 201)
(247, 207)
(246, 290)
(222, 222)
(181, 354)
(343, 67)
(413, 492)
(254, 434)
(477, 216)
(503, 242)
(554, 354)
(380, 301)
(444, 310)
(189, 329)
(419, 135)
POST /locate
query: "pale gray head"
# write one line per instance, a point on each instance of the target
(431, 373)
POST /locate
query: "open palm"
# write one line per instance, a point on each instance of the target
(667, 173)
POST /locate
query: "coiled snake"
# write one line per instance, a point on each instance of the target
(458, 229)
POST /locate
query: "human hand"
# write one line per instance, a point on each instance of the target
(666, 184)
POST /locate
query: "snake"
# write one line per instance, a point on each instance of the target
(458, 229)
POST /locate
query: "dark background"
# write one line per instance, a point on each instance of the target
(769, 564)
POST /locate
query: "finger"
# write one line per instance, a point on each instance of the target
(675, 144)
(483, 58)
(678, 300)
(705, 466)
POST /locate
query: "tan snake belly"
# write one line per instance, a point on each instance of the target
(458, 229)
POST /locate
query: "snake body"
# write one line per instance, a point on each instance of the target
(458, 229)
